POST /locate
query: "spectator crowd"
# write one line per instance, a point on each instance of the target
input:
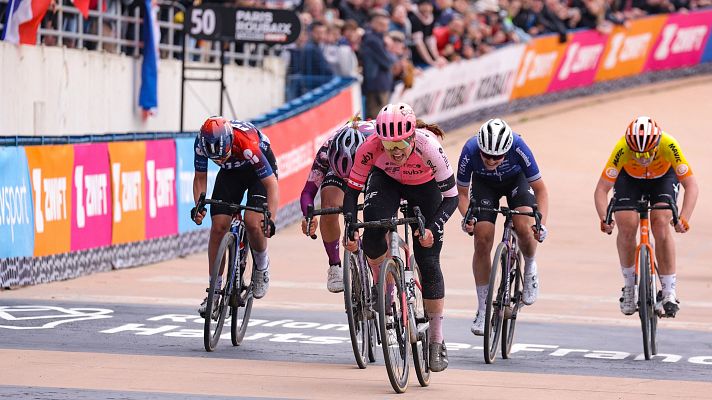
(384, 42)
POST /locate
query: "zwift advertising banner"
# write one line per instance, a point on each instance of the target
(580, 62)
(16, 215)
(536, 71)
(681, 42)
(160, 205)
(628, 48)
(51, 172)
(185, 152)
(91, 194)
(443, 93)
(128, 161)
(294, 140)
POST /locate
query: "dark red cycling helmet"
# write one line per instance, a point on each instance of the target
(215, 140)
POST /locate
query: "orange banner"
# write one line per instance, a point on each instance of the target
(538, 66)
(627, 49)
(129, 191)
(51, 175)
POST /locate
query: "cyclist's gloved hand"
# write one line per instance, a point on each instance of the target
(606, 228)
(269, 232)
(427, 240)
(468, 226)
(682, 225)
(197, 215)
(541, 235)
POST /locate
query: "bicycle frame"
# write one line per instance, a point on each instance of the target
(645, 242)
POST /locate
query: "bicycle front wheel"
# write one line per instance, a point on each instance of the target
(421, 349)
(217, 304)
(241, 299)
(512, 307)
(645, 303)
(395, 339)
(353, 300)
(494, 314)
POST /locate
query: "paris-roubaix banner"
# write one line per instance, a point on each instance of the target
(16, 213)
(91, 194)
(543, 65)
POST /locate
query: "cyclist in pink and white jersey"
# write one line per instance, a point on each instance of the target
(406, 162)
(331, 167)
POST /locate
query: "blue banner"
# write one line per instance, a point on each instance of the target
(707, 55)
(186, 170)
(16, 214)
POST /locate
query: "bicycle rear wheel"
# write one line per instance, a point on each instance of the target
(393, 325)
(216, 308)
(494, 314)
(420, 349)
(353, 300)
(645, 303)
(512, 309)
(370, 306)
(241, 299)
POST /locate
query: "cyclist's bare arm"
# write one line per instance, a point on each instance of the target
(200, 184)
(463, 193)
(600, 197)
(690, 199)
(542, 198)
(272, 188)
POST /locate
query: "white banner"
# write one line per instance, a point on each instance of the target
(465, 86)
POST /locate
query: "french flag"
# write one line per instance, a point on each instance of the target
(23, 18)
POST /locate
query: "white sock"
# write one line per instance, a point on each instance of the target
(529, 265)
(261, 259)
(482, 298)
(628, 275)
(668, 283)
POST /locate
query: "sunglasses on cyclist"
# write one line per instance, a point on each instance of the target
(491, 157)
(399, 145)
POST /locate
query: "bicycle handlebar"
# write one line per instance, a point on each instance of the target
(641, 207)
(236, 208)
(506, 211)
(311, 213)
(387, 223)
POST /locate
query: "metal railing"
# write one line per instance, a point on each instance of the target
(117, 29)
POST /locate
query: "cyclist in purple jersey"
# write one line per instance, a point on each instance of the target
(331, 167)
(407, 162)
(495, 163)
(247, 164)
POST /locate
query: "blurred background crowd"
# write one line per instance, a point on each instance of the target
(379, 42)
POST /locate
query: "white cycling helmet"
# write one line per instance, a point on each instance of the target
(343, 146)
(495, 137)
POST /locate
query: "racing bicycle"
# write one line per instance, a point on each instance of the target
(235, 293)
(646, 268)
(505, 283)
(403, 324)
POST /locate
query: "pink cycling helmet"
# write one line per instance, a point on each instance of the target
(395, 122)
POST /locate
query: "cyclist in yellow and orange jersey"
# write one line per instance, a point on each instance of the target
(647, 162)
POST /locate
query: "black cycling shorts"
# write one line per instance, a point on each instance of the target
(331, 179)
(486, 193)
(628, 190)
(382, 200)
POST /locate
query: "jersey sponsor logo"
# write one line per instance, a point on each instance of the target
(250, 156)
(50, 199)
(626, 48)
(611, 172)
(676, 40)
(463, 164)
(618, 156)
(367, 157)
(682, 169)
(675, 152)
(527, 162)
(432, 166)
(242, 125)
(92, 195)
(580, 58)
